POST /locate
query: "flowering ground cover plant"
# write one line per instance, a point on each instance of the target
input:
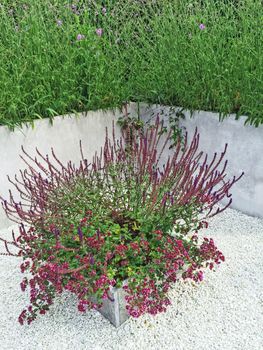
(122, 217)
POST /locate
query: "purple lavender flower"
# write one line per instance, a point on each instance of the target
(59, 23)
(99, 31)
(74, 10)
(80, 233)
(202, 26)
(80, 37)
(164, 200)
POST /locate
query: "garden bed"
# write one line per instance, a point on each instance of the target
(59, 57)
(223, 312)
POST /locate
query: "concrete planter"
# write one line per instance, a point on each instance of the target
(114, 309)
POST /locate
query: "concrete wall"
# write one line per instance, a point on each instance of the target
(245, 151)
(63, 136)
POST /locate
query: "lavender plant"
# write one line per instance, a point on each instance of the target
(65, 56)
(127, 215)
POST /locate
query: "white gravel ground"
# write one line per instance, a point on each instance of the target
(223, 312)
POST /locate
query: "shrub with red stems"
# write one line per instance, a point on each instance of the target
(127, 219)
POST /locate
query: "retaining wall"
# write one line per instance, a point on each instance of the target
(244, 153)
(245, 146)
(63, 135)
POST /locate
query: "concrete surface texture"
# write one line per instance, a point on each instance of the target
(64, 136)
(244, 153)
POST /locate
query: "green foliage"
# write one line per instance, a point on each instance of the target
(129, 217)
(152, 51)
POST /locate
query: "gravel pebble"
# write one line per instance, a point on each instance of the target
(223, 312)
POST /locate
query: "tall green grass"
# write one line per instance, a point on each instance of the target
(151, 51)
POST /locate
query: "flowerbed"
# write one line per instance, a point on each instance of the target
(63, 56)
(124, 216)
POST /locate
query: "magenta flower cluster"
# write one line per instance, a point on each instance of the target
(144, 292)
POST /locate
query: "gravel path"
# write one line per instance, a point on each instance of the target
(223, 312)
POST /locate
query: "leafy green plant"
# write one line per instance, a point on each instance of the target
(64, 56)
(129, 217)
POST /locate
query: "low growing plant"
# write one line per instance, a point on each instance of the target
(122, 220)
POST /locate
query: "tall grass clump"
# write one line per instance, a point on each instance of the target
(63, 56)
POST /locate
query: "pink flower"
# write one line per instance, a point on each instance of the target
(104, 10)
(22, 317)
(99, 31)
(200, 275)
(120, 249)
(80, 37)
(105, 296)
(23, 285)
(81, 307)
(202, 26)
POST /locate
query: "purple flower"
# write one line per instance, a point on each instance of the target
(202, 26)
(80, 233)
(56, 232)
(104, 10)
(99, 31)
(59, 23)
(74, 9)
(80, 37)
(200, 275)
